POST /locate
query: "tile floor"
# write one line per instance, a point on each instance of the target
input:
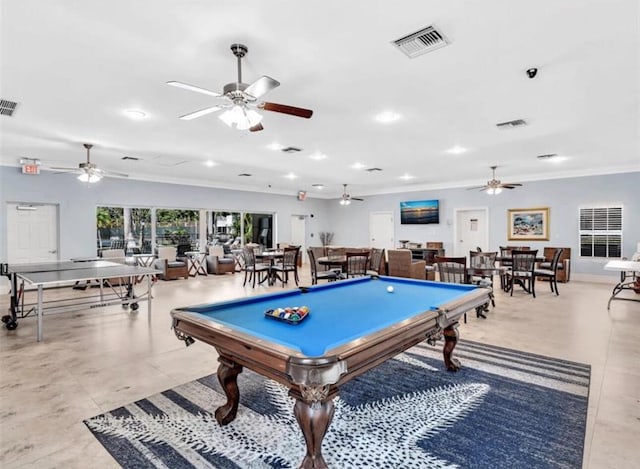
(93, 361)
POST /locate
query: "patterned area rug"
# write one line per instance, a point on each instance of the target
(504, 408)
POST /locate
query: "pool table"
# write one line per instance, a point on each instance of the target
(352, 326)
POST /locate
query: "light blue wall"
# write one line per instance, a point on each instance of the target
(349, 223)
(78, 204)
(562, 196)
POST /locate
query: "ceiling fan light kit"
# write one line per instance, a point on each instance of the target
(89, 177)
(240, 117)
(495, 186)
(346, 198)
(243, 97)
(87, 171)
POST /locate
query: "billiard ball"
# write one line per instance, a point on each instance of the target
(390, 289)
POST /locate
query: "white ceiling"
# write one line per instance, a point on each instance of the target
(75, 66)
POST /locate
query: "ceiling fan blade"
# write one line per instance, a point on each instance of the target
(114, 173)
(284, 109)
(58, 168)
(261, 86)
(201, 112)
(477, 187)
(256, 128)
(510, 185)
(197, 89)
(357, 198)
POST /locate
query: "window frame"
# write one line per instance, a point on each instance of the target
(595, 233)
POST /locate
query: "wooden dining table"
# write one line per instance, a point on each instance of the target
(334, 261)
(270, 257)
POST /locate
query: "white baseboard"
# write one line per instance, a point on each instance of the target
(595, 278)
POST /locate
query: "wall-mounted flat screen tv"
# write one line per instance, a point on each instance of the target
(419, 212)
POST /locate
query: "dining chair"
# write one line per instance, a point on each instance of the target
(289, 264)
(316, 274)
(522, 267)
(251, 268)
(376, 263)
(453, 270)
(551, 274)
(483, 260)
(357, 264)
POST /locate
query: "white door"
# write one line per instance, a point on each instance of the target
(381, 230)
(32, 233)
(299, 234)
(471, 231)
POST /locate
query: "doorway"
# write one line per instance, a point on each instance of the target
(299, 234)
(381, 230)
(471, 230)
(32, 233)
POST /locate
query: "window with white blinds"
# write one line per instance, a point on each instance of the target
(601, 232)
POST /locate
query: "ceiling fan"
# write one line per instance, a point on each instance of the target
(242, 98)
(88, 171)
(346, 198)
(494, 186)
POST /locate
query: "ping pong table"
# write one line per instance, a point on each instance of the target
(58, 273)
(629, 271)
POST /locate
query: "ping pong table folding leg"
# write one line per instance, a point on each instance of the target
(39, 334)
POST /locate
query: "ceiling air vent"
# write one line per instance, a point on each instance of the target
(291, 149)
(130, 158)
(373, 170)
(246, 175)
(548, 156)
(511, 124)
(421, 42)
(7, 107)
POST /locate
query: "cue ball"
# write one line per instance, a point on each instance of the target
(390, 289)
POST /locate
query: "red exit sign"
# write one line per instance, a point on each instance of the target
(30, 169)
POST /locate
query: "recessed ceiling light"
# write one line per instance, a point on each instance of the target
(386, 117)
(318, 186)
(406, 177)
(135, 114)
(275, 146)
(291, 176)
(209, 163)
(456, 150)
(317, 156)
(358, 165)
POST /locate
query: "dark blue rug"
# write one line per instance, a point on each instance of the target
(504, 408)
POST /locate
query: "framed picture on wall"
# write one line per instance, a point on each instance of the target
(528, 224)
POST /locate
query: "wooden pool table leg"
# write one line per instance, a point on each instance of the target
(314, 420)
(228, 372)
(450, 340)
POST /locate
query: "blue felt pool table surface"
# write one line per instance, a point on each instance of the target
(339, 312)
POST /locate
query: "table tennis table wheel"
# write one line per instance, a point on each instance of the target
(134, 306)
(10, 323)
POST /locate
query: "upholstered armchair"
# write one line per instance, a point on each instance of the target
(217, 263)
(114, 255)
(402, 265)
(171, 267)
